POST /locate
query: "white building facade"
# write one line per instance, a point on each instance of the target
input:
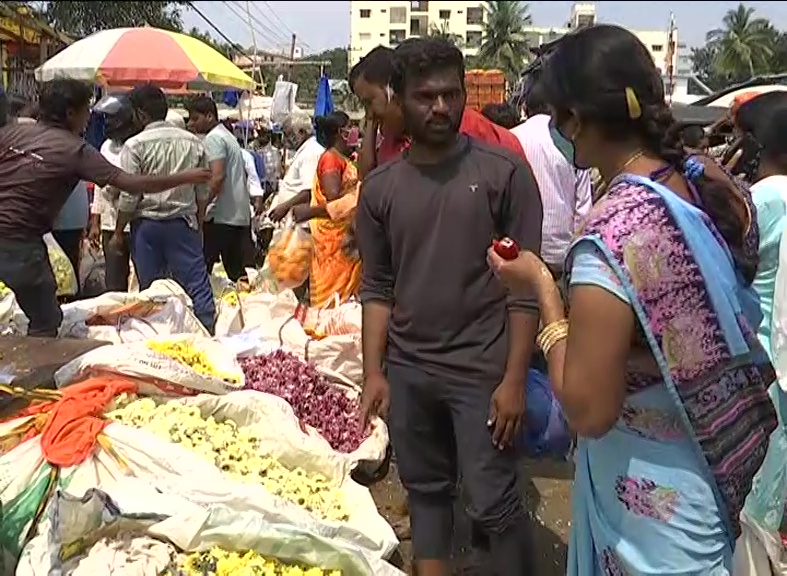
(374, 23)
(390, 23)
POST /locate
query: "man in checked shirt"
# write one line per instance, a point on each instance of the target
(166, 228)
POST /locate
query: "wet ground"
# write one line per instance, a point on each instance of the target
(32, 362)
(546, 487)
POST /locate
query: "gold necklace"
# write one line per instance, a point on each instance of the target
(604, 186)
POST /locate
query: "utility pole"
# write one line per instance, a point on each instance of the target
(292, 57)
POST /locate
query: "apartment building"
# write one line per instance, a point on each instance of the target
(374, 23)
(390, 23)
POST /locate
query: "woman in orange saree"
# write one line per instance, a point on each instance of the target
(334, 273)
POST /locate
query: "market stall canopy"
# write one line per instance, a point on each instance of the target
(128, 56)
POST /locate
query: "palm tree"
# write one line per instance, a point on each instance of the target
(443, 32)
(504, 44)
(744, 44)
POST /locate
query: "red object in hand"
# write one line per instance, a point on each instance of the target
(506, 248)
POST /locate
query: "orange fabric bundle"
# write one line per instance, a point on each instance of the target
(741, 99)
(74, 422)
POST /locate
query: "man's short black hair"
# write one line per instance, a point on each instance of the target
(203, 105)
(151, 100)
(536, 99)
(376, 67)
(504, 115)
(419, 57)
(59, 96)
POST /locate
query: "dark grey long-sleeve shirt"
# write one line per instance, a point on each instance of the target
(423, 232)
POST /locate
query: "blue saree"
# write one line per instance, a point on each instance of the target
(662, 491)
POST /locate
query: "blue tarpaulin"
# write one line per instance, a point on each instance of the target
(231, 98)
(324, 103)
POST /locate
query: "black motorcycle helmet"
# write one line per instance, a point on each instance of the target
(119, 115)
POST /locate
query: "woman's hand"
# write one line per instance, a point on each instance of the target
(523, 274)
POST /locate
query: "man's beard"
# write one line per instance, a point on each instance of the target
(422, 132)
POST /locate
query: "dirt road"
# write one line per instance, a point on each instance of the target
(547, 492)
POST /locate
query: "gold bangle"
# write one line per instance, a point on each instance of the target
(551, 333)
(557, 337)
(549, 329)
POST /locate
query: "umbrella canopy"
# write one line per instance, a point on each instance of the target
(128, 56)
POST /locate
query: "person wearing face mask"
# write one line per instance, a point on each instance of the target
(295, 188)
(656, 365)
(333, 271)
(565, 190)
(120, 126)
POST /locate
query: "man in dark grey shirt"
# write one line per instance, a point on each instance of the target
(437, 324)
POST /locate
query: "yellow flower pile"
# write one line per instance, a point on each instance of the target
(235, 450)
(218, 562)
(232, 298)
(195, 359)
(63, 271)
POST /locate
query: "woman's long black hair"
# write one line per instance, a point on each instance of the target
(590, 72)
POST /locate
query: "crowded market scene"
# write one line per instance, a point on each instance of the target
(421, 306)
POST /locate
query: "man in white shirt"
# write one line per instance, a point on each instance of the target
(252, 178)
(565, 190)
(103, 211)
(296, 186)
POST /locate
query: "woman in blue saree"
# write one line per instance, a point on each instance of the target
(657, 366)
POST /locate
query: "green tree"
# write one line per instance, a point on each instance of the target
(779, 60)
(504, 44)
(442, 31)
(703, 65)
(743, 45)
(79, 19)
(228, 50)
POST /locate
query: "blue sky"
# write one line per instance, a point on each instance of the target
(326, 24)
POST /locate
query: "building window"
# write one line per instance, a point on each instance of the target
(475, 15)
(398, 15)
(445, 14)
(421, 6)
(365, 36)
(417, 27)
(656, 47)
(396, 37)
(473, 38)
(366, 13)
(584, 20)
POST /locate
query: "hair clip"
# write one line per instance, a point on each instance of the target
(632, 103)
(693, 169)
